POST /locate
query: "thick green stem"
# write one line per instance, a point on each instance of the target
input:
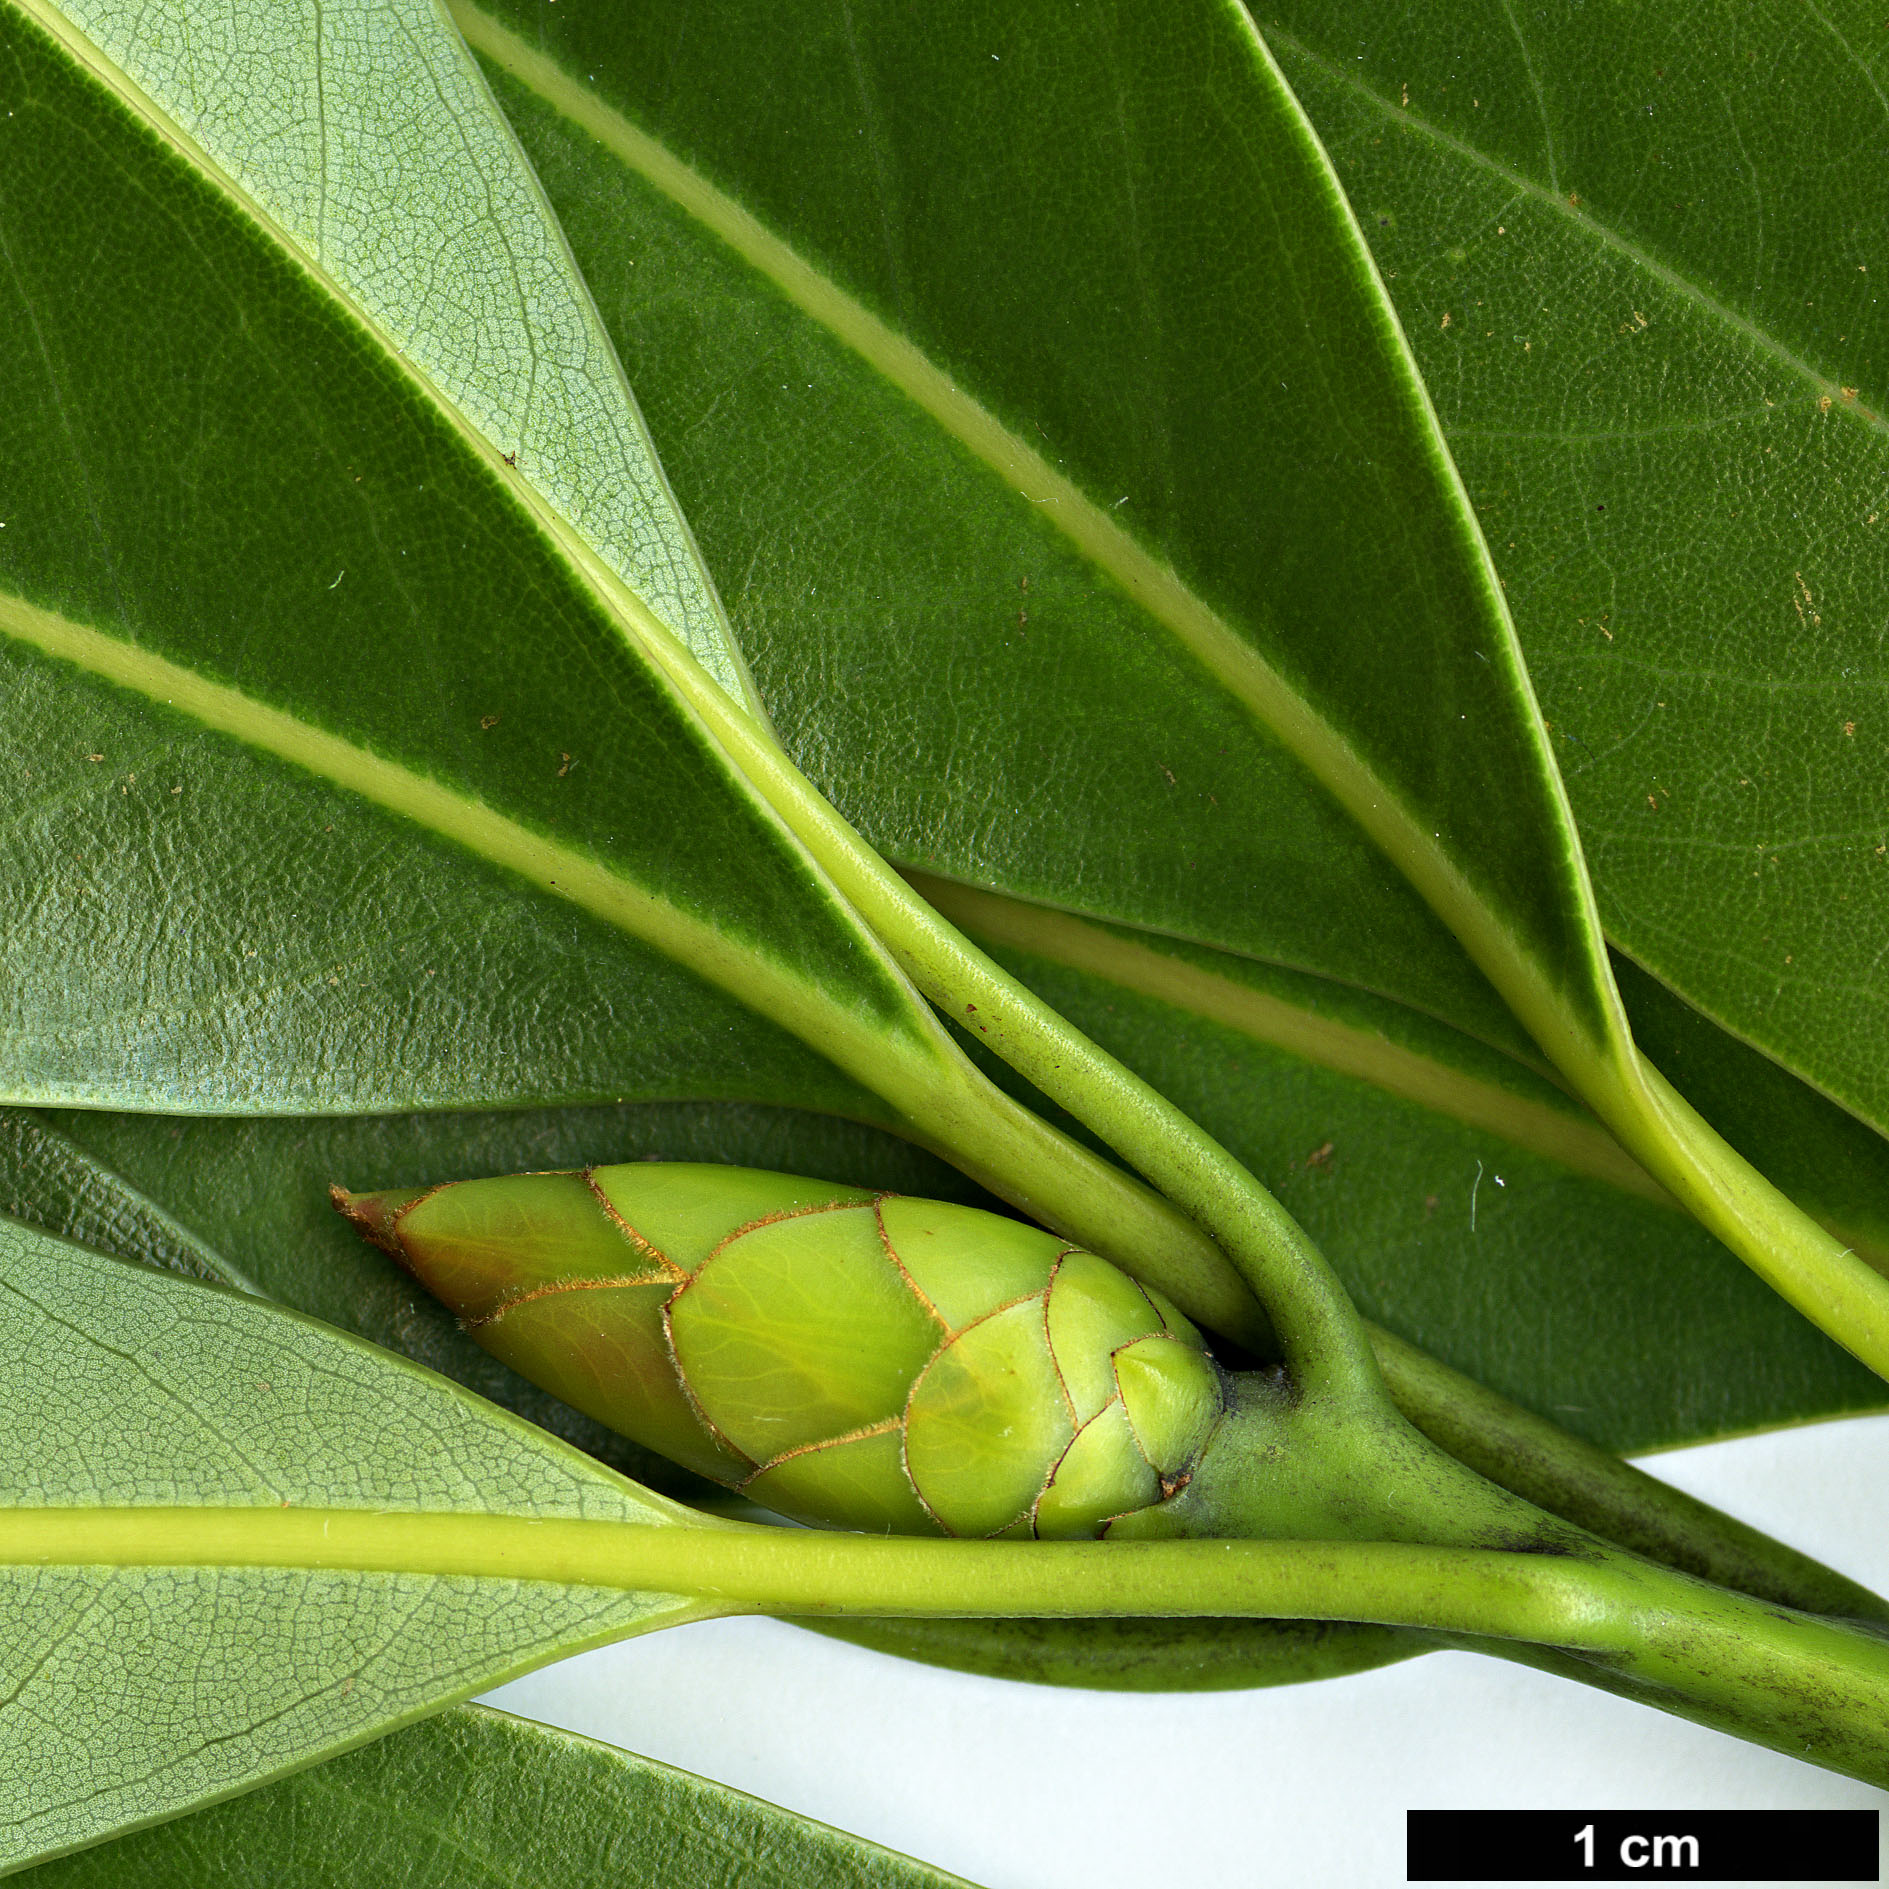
(1805, 1684)
(1284, 1465)
(1585, 1485)
(816, 1572)
(1572, 1479)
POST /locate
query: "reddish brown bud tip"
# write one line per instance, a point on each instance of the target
(375, 1215)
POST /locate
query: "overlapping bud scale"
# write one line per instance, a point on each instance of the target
(860, 1360)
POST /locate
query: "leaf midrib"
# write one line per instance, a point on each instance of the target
(898, 1060)
(1822, 386)
(1571, 1139)
(564, 873)
(1153, 585)
(1568, 1136)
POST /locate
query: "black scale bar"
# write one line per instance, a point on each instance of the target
(1800, 1846)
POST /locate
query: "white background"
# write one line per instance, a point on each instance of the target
(1033, 1787)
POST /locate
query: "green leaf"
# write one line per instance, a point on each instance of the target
(128, 1697)
(51, 1182)
(476, 1796)
(722, 191)
(1658, 237)
(1000, 663)
(310, 820)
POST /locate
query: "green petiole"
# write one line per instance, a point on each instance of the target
(1838, 1291)
(1806, 1685)
(1584, 1484)
(1314, 1322)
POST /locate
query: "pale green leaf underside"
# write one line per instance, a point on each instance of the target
(476, 1799)
(368, 137)
(129, 1694)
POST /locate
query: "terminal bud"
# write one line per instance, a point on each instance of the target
(859, 1360)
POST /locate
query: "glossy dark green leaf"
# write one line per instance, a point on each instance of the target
(1641, 256)
(1015, 718)
(341, 782)
(760, 198)
(136, 1688)
(474, 1797)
